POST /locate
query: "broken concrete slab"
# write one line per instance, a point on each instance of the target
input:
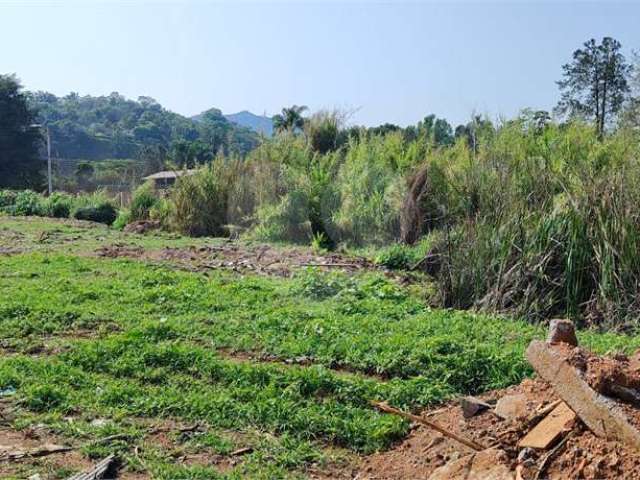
(546, 432)
(511, 407)
(489, 464)
(472, 405)
(599, 413)
(562, 331)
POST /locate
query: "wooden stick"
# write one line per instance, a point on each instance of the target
(96, 472)
(354, 265)
(38, 452)
(51, 449)
(469, 443)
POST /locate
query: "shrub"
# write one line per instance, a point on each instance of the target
(7, 198)
(122, 219)
(102, 213)
(161, 211)
(58, 205)
(27, 202)
(202, 201)
(144, 199)
(397, 257)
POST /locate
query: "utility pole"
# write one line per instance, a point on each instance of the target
(46, 127)
(49, 161)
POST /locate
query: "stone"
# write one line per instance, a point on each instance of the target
(526, 454)
(489, 464)
(550, 428)
(472, 405)
(511, 407)
(600, 414)
(562, 330)
(455, 470)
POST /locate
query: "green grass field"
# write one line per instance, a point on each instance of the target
(285, 367)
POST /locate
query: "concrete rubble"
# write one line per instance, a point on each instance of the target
(587, 395)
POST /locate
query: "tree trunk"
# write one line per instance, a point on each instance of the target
(603, 109)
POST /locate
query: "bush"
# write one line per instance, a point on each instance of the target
(397, 257)
(122, 220)
(202, 201)
(144, 199)
(7, 198)
(27, 202)
(102, 213)
(58, 205)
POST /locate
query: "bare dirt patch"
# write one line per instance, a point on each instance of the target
(260, 259)
(31, 440)
(583, 455)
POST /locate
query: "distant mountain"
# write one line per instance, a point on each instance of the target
(257, 123)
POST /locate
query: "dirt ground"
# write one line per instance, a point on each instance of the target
(260, 259)
(582, 456)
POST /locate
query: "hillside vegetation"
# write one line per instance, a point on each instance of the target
(87, 127)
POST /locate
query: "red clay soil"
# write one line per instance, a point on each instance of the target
(582, 455)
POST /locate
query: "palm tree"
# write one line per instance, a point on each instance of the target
(290, 119)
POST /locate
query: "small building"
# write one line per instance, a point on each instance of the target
(167, 178)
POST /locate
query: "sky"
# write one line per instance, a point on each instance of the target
(381, 61)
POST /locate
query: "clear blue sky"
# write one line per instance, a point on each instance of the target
(394, 62)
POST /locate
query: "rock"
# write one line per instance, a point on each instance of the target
(456, 470)
(601, 415)
(472, 405)
(558, 421)
(511, 407)
(562, 330)
(525, 454)
(142, 226)
(489, 464)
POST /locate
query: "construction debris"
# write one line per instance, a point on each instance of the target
(600, 414)
(472, 405)
(491, 463)
(550, 428)
(579, 419)
(511, 407)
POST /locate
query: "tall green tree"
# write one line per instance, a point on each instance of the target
(290, 120)
(595, 83)
(84, 174)
(631, 115)
(437, 130)
(20, 163)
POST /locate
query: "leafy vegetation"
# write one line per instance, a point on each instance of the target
(96, 207)
(20, 139)
(113, 127)
(124, 341)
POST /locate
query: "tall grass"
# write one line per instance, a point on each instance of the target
(544, 223)
(536, 220)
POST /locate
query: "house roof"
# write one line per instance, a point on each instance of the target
(169, 174)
